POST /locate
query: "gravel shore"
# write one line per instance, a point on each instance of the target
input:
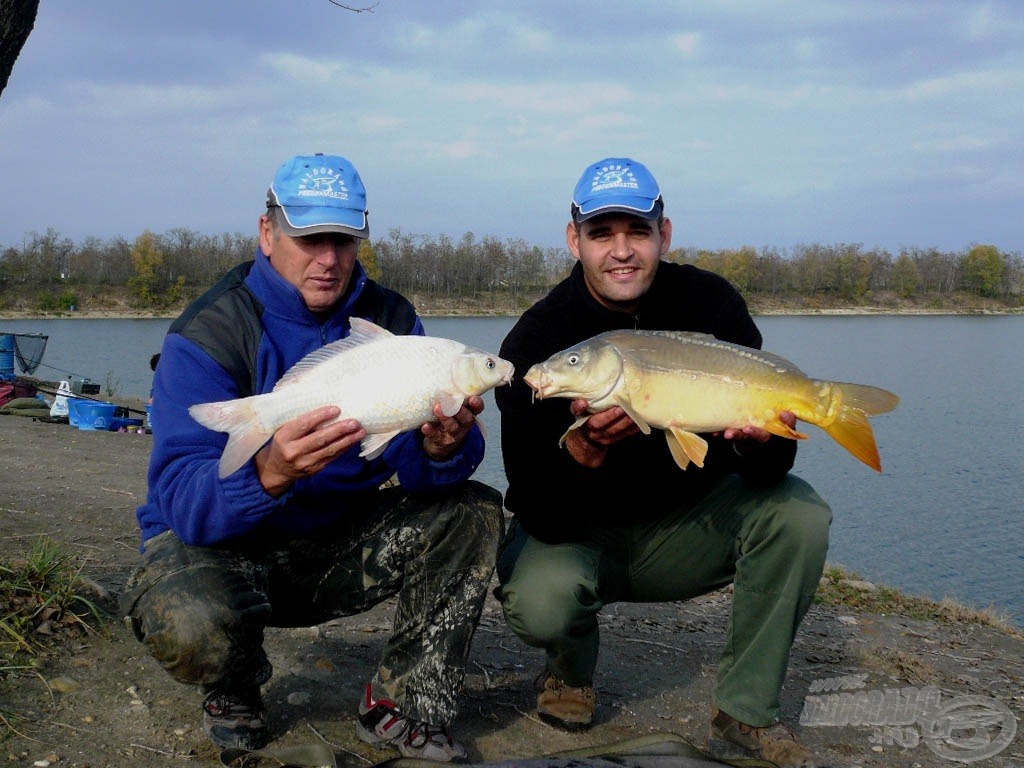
(99, 700)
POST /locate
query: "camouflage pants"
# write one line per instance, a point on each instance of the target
(201, 611)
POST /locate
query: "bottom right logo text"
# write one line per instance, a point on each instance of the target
(964, 728)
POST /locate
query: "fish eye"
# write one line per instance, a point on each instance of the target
(573, 359)
(491, 365)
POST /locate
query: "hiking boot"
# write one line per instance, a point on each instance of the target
(732, 739)
(235, 718)
(565, 706)
(381, 723)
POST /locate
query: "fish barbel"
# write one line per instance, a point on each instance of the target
(388, 383)
(685, 383)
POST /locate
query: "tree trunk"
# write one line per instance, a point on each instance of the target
(17, 17)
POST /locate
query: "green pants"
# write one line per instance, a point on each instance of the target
(770, 542)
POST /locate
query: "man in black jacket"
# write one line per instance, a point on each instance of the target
(611, 517)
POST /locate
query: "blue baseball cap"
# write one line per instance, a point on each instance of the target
(616, 185)
(319, 193)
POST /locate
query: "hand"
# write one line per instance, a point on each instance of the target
(750, 434)
(442, 438)
(588, 444)
(304, 446)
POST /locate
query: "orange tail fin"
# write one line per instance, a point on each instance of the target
(851, 428)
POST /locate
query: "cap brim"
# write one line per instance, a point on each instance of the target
(299, 222)
(642, 207)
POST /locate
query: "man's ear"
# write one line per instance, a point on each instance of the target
(572, 239)
(666, 235)
(266, 233)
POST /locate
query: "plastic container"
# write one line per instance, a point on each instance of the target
(118, 422)
(73, 415)
(149, 419)
(82, 386)
(93, 415)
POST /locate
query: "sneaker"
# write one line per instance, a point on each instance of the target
(381, 723)
(235, 719)
(565, 706)
(732, 739)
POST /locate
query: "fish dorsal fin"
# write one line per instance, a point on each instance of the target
(363, 332)
(686, 446)
(758, 356)
(362, 327)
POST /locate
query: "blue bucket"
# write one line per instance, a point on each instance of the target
(73, 415)
(92, 415)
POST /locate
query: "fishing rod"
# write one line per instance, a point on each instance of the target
(84, 397)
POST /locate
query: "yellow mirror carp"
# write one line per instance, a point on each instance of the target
(689, 383)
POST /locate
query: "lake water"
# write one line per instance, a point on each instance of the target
(944, 518)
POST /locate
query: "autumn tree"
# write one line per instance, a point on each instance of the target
(906, 280)
(984, 270)
(150, 282)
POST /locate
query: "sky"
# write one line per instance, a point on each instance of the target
(888, 123)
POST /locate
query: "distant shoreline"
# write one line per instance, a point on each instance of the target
(121, 314)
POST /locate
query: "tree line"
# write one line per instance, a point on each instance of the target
(157, 272)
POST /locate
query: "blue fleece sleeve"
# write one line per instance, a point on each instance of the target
(418, 472)
(185, 494)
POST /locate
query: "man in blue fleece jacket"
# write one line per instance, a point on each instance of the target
(307, 531)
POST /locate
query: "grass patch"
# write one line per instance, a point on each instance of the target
(842, 588)
(43, 598)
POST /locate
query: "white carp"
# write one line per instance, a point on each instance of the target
(388, 383)
(685, 383)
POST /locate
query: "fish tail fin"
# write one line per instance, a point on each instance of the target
(851, 428)
(240, 420)
(871, 400)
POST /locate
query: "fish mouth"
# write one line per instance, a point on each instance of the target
(538, 382)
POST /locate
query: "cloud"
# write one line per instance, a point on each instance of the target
(687, 43)
(762, 114)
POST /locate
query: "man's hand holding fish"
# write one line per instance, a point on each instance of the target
(442, 437)
(304, 446)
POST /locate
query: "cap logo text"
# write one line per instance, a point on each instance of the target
(613, 177)
(322, 182)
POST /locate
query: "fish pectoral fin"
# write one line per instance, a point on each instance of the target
(686, 446)
(373, 446)
(450, 404)
(575, 425)
(778, 427)
(639, 420)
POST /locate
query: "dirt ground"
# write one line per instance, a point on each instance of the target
(99, 700)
